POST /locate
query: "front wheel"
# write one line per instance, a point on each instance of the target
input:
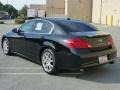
(5, 46)
(111, 62)
(49, 62)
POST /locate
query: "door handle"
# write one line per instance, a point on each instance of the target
(42, 37)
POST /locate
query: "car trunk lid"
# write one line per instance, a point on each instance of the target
(95, 39)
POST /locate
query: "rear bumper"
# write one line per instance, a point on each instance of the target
(91, 64)
(74, 62)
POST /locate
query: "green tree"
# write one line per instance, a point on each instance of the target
(1, 6)
(23, 11)
(10, 9)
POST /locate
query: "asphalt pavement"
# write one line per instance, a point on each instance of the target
(17, 73)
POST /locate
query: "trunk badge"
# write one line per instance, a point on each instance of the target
(100, 40)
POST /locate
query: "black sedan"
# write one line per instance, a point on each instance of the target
(60, 44)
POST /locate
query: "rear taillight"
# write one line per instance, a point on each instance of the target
(110, 41)
(78, 43)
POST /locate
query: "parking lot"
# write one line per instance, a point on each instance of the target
(17, 73)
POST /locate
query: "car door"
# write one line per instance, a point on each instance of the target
(36, 38)
(20, 43)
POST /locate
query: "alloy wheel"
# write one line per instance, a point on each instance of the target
(5, 46)
(48, 61)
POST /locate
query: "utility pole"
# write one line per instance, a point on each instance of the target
(66, 7)
(101, 11)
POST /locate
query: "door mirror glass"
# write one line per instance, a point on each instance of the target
(15, 30)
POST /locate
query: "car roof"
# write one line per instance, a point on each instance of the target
(55, 20)
(59, 22)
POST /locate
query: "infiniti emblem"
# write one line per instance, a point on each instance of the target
(100, 40)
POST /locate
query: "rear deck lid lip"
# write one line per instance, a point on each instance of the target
(90, 33)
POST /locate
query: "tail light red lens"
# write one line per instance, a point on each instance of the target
(78, 43)
(110, 41)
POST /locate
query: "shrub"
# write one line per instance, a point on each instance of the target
(19, 21)
(19, 17)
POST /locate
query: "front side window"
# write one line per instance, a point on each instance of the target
(27, 27)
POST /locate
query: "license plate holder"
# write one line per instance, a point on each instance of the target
(103, 59)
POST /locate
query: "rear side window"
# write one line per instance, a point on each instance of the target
(39, 26)
(44, 27)
(74, 26)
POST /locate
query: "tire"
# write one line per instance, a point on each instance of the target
(49, 62)
(112, 62)
(6, 47)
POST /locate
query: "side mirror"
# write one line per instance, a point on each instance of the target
(15, 30)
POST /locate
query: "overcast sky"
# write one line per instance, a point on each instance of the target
(19, 3)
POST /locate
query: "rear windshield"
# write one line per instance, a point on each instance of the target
(74, 26)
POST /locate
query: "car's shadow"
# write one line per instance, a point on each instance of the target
(102, 74)
(109, 73)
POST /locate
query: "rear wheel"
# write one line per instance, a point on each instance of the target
(48, 61)
(5, 46)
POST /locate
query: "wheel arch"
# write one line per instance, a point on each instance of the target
(46, 45)
(49, 44)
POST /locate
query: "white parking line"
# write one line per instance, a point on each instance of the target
(71, 73)
(22, 73)
(32, 68)
(37, 74)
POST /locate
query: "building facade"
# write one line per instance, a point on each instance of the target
(80, 9)
(36, 10)
(96, 11)
(55, 8)
(38, 7)
(106, 12)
